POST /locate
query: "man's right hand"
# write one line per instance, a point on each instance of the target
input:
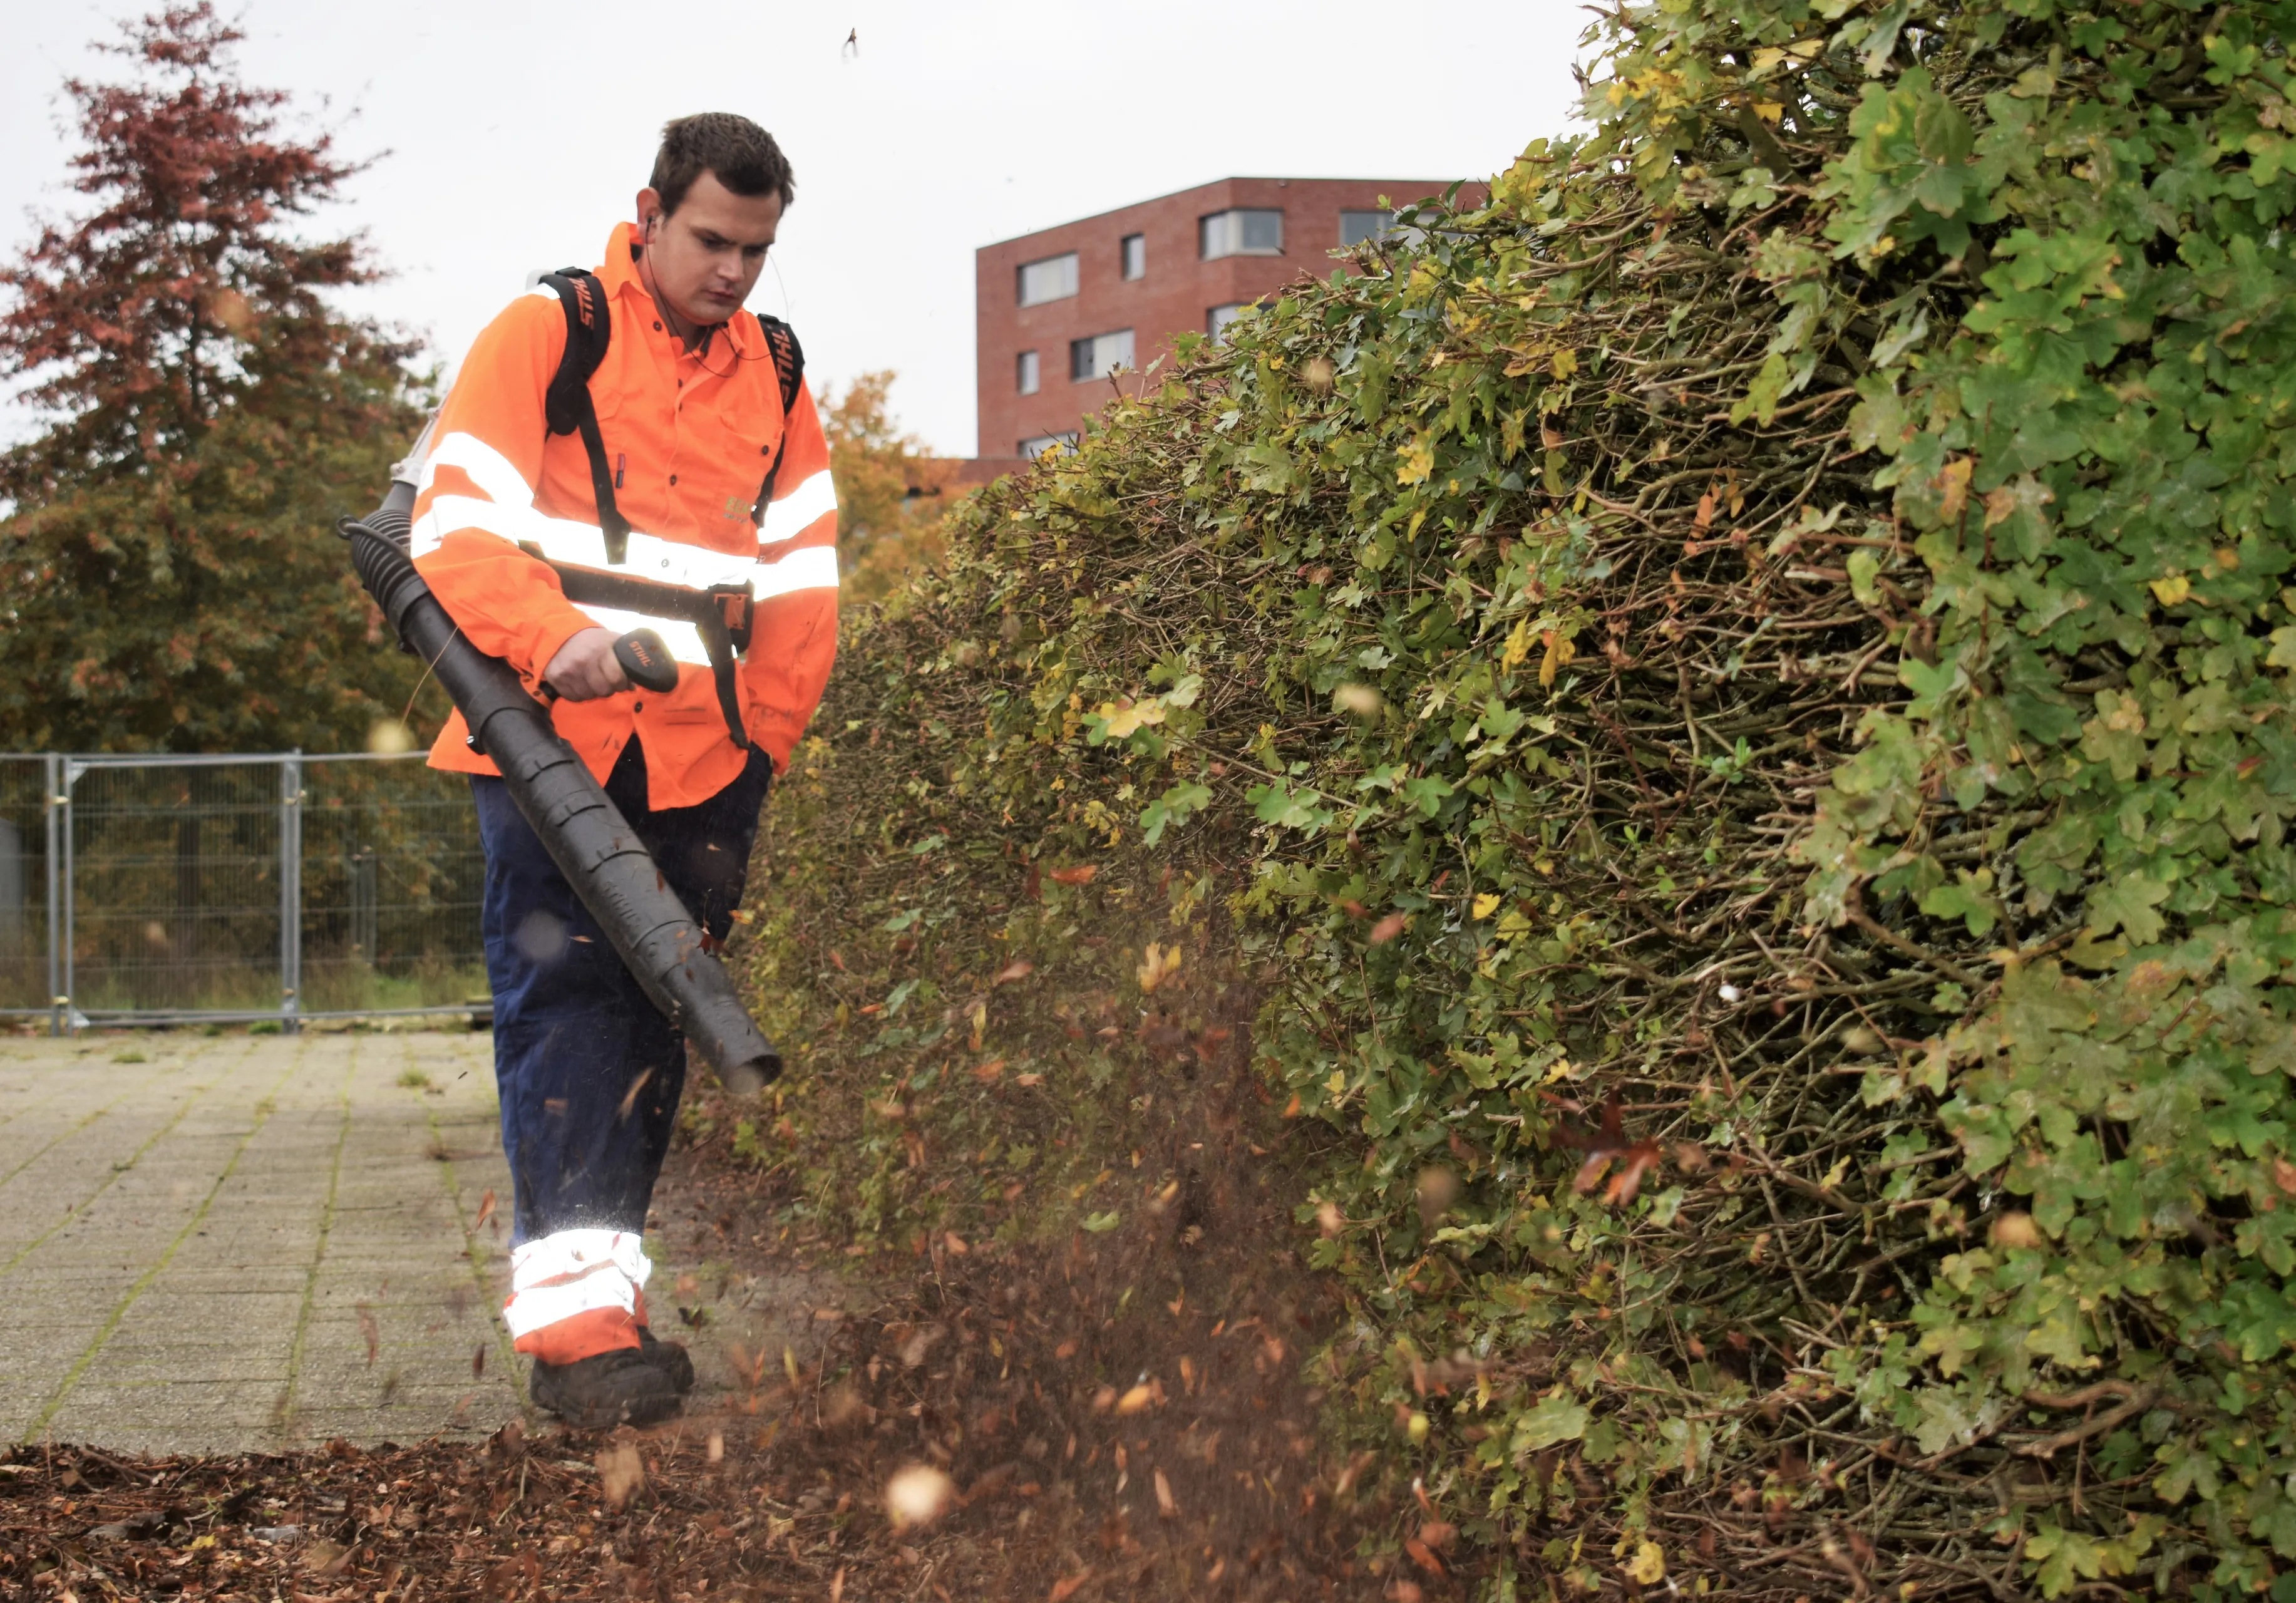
(585, 667)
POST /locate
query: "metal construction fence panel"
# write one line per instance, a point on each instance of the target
(155, 890)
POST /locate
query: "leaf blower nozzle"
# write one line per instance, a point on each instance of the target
(579, 825)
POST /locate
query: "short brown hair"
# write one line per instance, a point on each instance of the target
(742, 155)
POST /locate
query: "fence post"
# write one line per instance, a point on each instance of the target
(290, 891)
(69, 996)
(52, 807)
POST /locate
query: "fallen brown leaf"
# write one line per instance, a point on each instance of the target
(914, 1350)
(620, 1474)
(1066, 1588)
(1387, 929)
(630, 1097)
(1020, 968)
(1166, 1504)
(1081, 874)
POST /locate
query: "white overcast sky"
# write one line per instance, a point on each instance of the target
(510, 136)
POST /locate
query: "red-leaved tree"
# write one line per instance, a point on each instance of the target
(167, 577)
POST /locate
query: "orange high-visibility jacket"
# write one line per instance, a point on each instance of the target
(690, 435)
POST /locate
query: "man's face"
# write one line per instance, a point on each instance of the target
(706, 256)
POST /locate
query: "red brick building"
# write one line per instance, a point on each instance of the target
(1059, 309)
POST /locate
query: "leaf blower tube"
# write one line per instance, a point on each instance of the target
(584, 832)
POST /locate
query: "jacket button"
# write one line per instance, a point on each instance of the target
(657, 328)
(673, 477)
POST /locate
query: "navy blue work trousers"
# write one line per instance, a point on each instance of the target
(589, 1070)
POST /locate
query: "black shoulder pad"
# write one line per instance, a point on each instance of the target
(588, 329)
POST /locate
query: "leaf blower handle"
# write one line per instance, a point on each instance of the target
(644, 657)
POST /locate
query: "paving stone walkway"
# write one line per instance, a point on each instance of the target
(225, 1243)
(233, 1243)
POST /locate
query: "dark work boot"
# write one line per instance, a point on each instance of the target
(607, 1389)
(669, 1358)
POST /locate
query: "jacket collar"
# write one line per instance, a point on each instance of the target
(619, 276)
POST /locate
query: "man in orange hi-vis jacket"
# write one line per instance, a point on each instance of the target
(682, 483)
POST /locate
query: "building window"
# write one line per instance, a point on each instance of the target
(1025, 373)
(1100, 356)
(1037, 445)
(1241, 232)
(1054, 278)
(1356, 227)
(1136, 256)
(1216, 321)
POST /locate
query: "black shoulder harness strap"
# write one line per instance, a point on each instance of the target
(567, 403)
(789, 366)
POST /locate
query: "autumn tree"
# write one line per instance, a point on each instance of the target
(890, 492)
(167, 577)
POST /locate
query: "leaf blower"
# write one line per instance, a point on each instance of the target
(584, 832)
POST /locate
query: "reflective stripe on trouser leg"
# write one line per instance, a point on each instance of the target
(575, 1294)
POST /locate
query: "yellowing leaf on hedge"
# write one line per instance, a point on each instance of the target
(1518, 647)
(2172, 590)
(1564, 365)
(1417, 462)
(1559, 651)
(1487, 904)
(1647, 1567)
(1953, 486)
(1158, 965)
(1126, 716)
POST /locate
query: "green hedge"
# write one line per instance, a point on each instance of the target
(1733, 702)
